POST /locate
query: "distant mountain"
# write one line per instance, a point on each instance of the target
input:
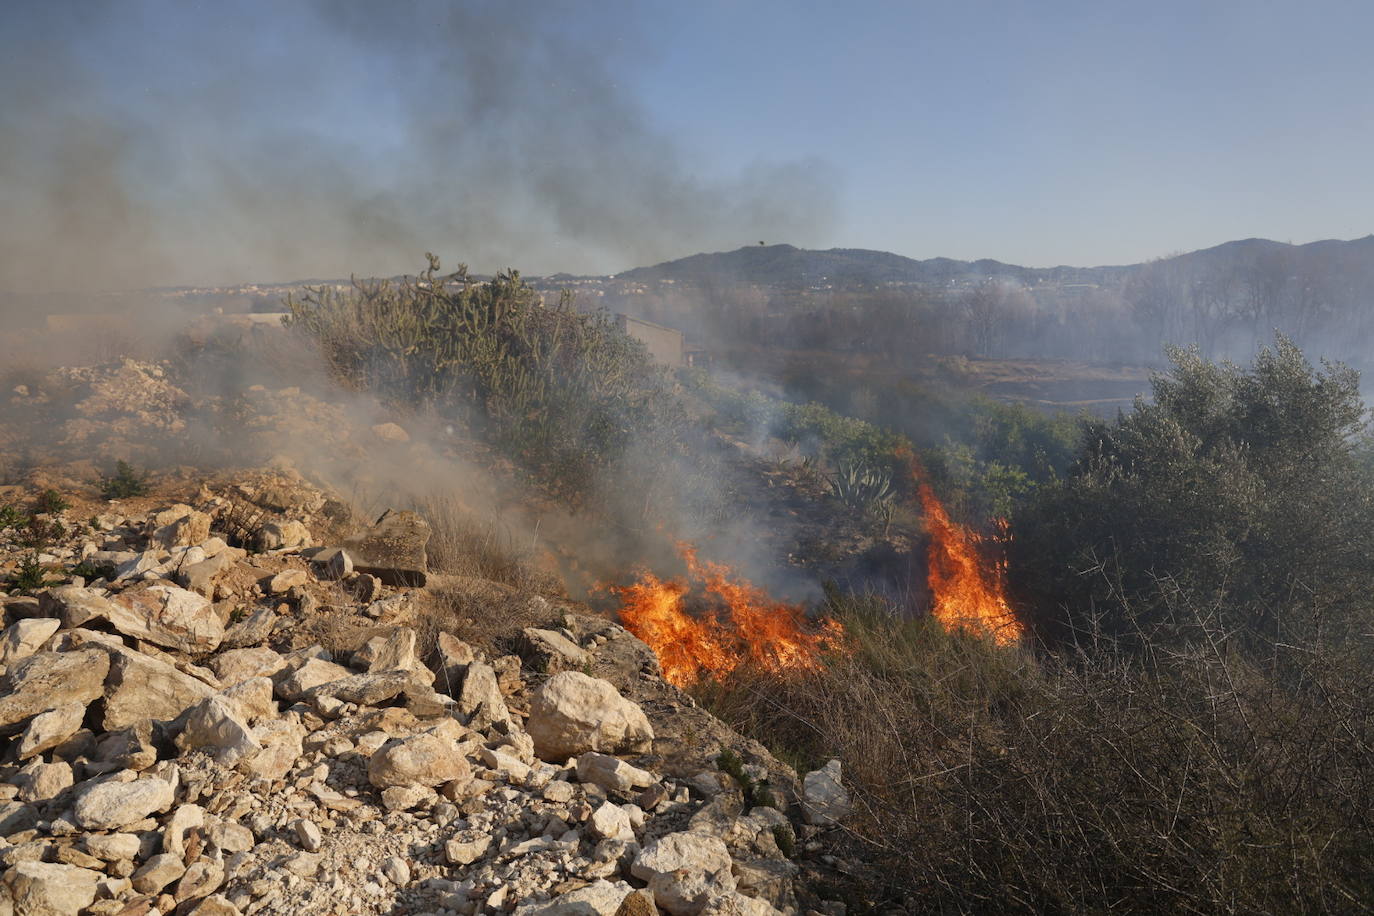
(787, 265)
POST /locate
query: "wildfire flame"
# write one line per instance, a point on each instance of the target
(749, 628)
(968, 592)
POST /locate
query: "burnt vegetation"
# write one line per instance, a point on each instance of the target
(1187, 726)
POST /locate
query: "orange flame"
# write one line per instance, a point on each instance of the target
(967, 592)
(751, 629)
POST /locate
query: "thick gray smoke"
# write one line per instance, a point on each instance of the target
(160, 143)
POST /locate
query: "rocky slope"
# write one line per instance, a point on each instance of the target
(239, 701)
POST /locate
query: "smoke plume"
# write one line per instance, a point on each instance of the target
(156, 143)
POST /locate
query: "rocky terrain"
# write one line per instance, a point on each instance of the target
(229, 696)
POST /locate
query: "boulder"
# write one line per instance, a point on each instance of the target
(365, 689)
(158, 872)
(601, 898)
(390, 432)
(313, 673)
(45, 781)
(168, 616)
(214, 724)
(74, 605)
(183, 820)
(332, 563)
(735, 904)
(113, 847)
(824, 800)
(114, 804)
(129, 748)
(47, 680)
(452, 657)
(202, 878)
(612, 773)
(550, 651)
(24, 637)
(49, 729)
(610, 822)
(480, 698)
(215, 905)
(286, 580)
(238, 665)
(140, 687)
(572, 713)
(252, 631)
(281, 741)
(287, 535)
(393, 549)
(179, 526)
(200, 577)
(423, 760)
(49, 889)
(253, 699)
(397, 653)
(684, 871)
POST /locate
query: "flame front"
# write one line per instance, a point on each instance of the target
(749, 628)
(968, 592)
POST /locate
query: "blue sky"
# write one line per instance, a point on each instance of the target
(163, 142)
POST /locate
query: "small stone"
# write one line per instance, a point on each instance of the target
(158, 872)
(202, 878)
(824, 799)
(286, 580)
(609, 822)
(396, 870)
(465, 852)
(309, 835)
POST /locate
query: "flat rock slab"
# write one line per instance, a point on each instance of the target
(47, 680)
(393, 549)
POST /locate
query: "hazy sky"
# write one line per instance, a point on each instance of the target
(147, 142)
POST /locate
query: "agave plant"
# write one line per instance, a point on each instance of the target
(861, 486)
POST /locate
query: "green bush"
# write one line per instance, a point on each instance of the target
(12, 516)
(1237, 504)
(127, 482)
(51, 502)
(564, 392)
(30, 575)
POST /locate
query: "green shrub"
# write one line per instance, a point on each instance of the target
(1241, 491)
(564, 392)
(51, 502)
(30, 575)
(126, 483)
(12, 516)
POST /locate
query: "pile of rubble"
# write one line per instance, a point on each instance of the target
(179, 741)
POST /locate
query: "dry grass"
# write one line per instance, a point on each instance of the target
(485, 614)
(463, 544)
(986, 781)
